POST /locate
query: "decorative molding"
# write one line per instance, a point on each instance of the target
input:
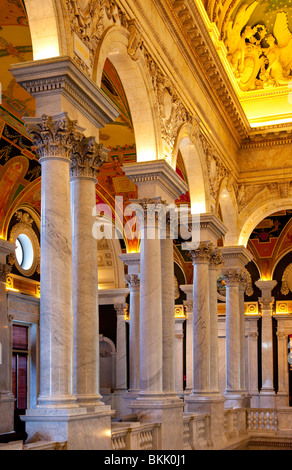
(5, 269)
(53, 137)
(266, 303)
(234, 277)
(87, 158)
(285, 289)
(133, 281)
(203, 253)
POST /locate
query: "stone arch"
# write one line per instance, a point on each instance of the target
(196, 168)
(263, 210)
(137, 85)
(45, 28)
(227, 202)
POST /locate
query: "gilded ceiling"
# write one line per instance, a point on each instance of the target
(258, 39)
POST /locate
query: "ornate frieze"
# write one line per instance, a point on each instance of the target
(89, 20)
(53, 137)
(172, 113)
(87, 158)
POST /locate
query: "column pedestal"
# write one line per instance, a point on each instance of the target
(6, 396)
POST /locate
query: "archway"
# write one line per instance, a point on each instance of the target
(138, 89)
(226, 203)
(196, 169)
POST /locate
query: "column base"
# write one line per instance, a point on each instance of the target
(6, 412)
(168, 412)
(82, 430)
(119, 404)
(267, 398)
(212, 404)
(282, 399)
(255, 400)
(237, 399)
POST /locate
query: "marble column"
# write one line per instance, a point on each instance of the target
(58, 416)
(284, 348)
(87, 157)
(168, 317)
(234, 274)
(53, 138)
(121, 358)
(188, 303)
(179, 336)
(252, 361)
(267, 392)
(6, 396)
(205, 396)
(132, 278)
(158, 185)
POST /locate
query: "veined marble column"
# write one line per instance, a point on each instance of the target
(132, 260)
(121, 357)
(188, 303)
(156, 182)
(168, 318)
(6, 396)
(267, 392)
(215, 262)
(179, 336)
(87, 157)
(201, 321)
(133, 284)
(252, 366)
(53, 138)
(235, 277)
(282, 398)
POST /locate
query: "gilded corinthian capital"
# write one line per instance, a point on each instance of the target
(87, 158)
(53, 136)
(203, 253)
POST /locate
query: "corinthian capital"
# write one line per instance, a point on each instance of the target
(216, 259)
(133, 281)
(203, 253)
(87, 158)
(234, 277)
(266, 303)
(53, 136)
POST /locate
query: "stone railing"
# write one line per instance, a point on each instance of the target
(196, 431)
(135, 436)
(234, 422)
(262, 420)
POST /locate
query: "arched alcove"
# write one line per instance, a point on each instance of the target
(227, 203)
(195, 164)
(137, 86)
(254, 217)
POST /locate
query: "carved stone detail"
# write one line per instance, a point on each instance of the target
(188, 307)
(121, 309)
(234, 277)
(203, 253)
(133, 281)
(284, 287)
(5, 269)
(87, 158)
(53, 137)
(266, 303)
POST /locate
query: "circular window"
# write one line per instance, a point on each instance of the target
(24, 252)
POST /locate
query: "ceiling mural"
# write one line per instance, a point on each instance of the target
(258, 39)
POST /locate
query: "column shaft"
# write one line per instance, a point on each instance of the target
(168, 318)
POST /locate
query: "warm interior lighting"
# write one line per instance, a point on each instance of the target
(271, 123)
(46, 50)
(198, 207)
(11, 289)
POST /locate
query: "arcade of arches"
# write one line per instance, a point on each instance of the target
(111, 335)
